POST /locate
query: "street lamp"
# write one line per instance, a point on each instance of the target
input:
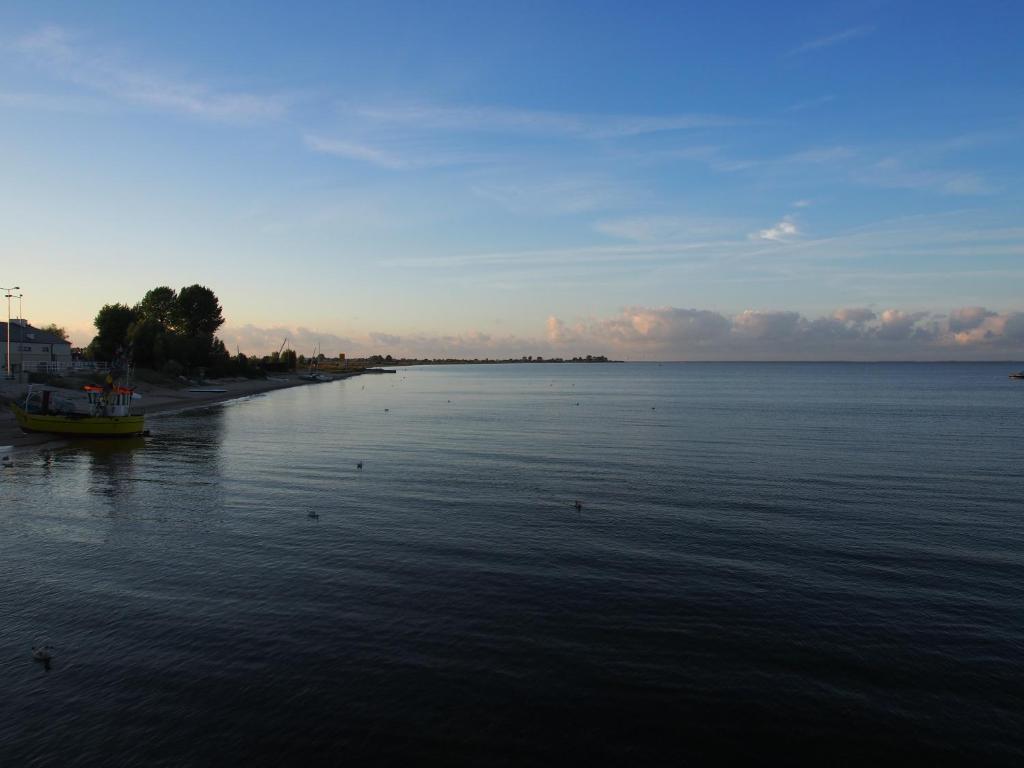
(9, 295)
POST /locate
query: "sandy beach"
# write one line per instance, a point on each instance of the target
(152, 400)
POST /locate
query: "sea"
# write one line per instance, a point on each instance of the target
(768, 564)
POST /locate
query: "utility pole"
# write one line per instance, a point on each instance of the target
(9, 295)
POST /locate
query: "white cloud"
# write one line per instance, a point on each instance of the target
(854, 315)
(773, 325)
(896, 324)
(781, 232)
(968, 318)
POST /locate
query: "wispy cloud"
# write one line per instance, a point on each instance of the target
(62, 54)
(893, 172)
(400, 154)
(940, 251)
(661, 228)
(47, 102)
(488, 119)
(355, 151)
(829, 40)
(556, 194)
(800, 106)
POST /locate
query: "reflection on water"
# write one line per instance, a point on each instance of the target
(110, 465)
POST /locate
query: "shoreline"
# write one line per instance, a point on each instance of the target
(155, 401)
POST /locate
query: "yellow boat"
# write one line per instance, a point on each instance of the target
(109, 414)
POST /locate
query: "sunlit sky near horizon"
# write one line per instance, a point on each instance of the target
(827, 180)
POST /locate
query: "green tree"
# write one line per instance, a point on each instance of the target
(112, 323)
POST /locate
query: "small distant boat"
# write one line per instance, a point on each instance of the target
(108, 414)
(208, 390)
(1017, 375)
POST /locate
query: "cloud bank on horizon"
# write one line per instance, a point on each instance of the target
(673, 333)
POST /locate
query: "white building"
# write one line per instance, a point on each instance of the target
(31, 347)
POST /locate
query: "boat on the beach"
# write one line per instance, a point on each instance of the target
(107, 414)
(1017, 375)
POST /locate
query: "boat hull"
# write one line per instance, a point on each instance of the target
(81, 426)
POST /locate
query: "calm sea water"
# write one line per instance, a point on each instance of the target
(820, 562)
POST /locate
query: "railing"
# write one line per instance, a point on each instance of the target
(75, 366)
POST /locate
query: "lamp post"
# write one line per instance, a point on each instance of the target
(9, 296)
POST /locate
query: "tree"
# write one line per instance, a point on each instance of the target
(112, 323)
(198, 311)
(166, 326)
(56, 330)
(150, 342)
(159, 305)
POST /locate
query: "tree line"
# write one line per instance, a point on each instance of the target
(168, 330)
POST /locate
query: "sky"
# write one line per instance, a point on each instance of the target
(648, 181)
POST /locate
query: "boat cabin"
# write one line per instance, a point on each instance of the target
(117, 401)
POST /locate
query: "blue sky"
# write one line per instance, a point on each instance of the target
(658, 180)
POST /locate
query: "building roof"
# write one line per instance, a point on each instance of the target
(26, 334)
